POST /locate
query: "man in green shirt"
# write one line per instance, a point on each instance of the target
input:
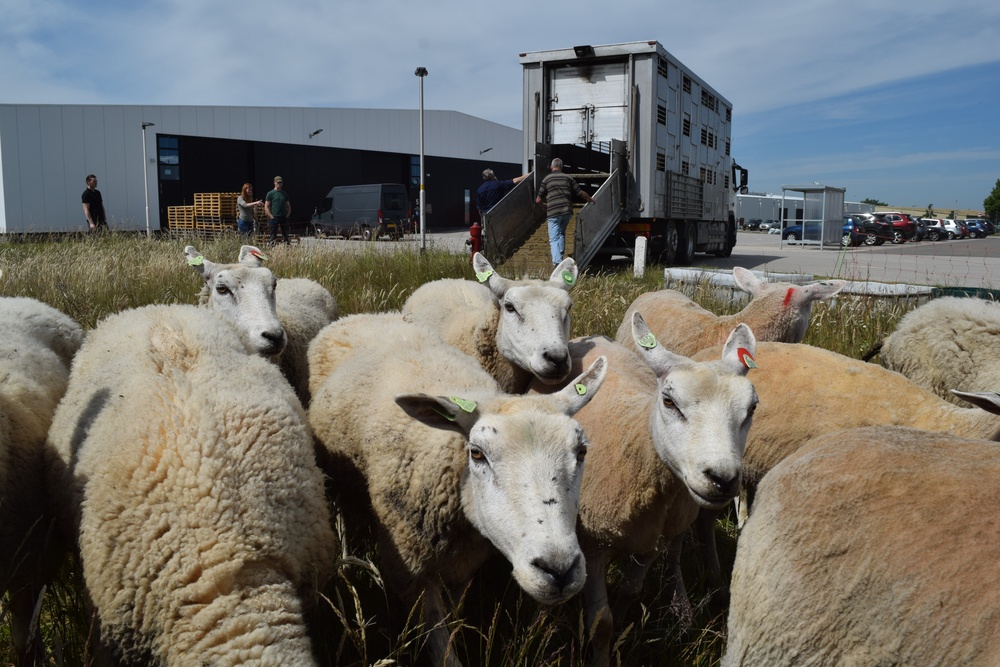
(278, 209)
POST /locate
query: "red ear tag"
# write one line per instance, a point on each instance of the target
(258, 254)
(746, 357)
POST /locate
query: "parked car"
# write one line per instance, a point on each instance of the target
(877, 231)
(903, 227)
(934, 229)
(953, 229)
(854, 234)
(976, 228)
(754, 224)
(768, 225)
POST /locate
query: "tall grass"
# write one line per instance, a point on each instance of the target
(356, 621)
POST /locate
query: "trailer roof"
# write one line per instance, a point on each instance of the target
(575, 54)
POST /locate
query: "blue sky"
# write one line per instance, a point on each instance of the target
(897, 100)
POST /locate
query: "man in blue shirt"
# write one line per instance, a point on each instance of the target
(492, 190)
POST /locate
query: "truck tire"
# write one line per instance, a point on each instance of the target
(727, 250)
(668, 256)
(685, 250)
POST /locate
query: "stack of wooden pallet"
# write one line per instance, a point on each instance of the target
(214, 212)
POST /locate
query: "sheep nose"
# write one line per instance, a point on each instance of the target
(558, 358)
(726, 484)
(276, 340)
(561, 577)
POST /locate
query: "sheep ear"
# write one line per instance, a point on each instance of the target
(823, 289)
(574, 396)
(565, 274)
(987, 400)
(448, 412)
(660, 359)
(198, 262)
(251, 255)
(739, 350)
(488, 276)
(746, 280)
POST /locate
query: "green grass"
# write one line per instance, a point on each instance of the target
(357, 621)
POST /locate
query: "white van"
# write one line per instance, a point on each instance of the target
(364, 211)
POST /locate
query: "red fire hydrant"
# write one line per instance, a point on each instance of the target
(476, 237)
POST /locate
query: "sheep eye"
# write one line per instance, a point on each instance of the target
(581, 453)
(509, 307)
(222, 289)
(668, 403)
(476, 454)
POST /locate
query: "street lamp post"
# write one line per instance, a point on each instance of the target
(421, 72)
(145, 179)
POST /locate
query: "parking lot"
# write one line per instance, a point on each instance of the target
(959, 263)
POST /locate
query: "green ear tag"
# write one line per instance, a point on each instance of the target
(445, 415)
(648, 341)
(568, 278)
(259, 255)
(196, 261)
(466, 405)
(581, 389)
(483, 276)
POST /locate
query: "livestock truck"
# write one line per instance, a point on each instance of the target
(650, 134)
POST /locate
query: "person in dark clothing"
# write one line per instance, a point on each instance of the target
(493, 190)
(278, 209)
(93, 205)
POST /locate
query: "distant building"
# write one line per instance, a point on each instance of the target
(47, 150)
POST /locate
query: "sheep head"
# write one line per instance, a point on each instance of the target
(521, 486)
(533, 329)
(244, 292)
(703, 412)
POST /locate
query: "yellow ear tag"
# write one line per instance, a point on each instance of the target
(464, 404)
(196, 261)
(568, 278)
(483, 276)
(648, 341)
(581, 389)
(259, 255)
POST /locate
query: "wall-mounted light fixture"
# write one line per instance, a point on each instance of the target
(486, 150)
(315, 132)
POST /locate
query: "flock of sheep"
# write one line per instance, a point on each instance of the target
(190, 455)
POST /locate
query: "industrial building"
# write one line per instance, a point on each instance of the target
(169, 153)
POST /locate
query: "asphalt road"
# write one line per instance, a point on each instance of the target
(965, 263)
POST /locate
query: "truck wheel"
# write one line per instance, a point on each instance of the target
(670, 242)
(685, 251)
(367, 234)
(727, 250)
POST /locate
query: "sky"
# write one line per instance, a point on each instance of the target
(896, 100)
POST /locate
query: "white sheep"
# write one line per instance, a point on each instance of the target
(37, 345)
(303, 307)
(872, 546)
(948, 343)
(447, 465)
(807, 391)
(244, 293)
(517, 329)
(667, 438)
(183, 465)
(776, 312)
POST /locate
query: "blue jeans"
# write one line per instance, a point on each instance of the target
(557, 235)
(245, 227)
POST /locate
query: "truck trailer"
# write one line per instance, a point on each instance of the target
(649, 134)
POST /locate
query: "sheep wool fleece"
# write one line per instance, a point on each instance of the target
(193, 483)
